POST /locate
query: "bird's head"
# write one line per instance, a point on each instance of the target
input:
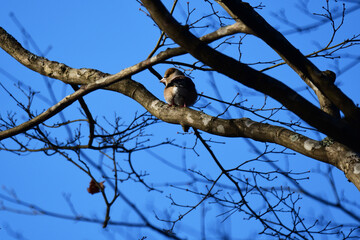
(170, 74)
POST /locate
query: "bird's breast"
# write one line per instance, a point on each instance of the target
(170, 93)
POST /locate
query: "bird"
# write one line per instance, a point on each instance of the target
(179, 90)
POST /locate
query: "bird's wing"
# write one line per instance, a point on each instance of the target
(182, 82)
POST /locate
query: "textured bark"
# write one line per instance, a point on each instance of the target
(325, 104)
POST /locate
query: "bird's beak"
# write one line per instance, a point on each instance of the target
(163, 80)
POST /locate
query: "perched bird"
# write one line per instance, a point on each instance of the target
(179, 90)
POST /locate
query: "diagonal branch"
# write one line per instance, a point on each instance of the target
(243, 12)
(88, 115)
(338, 129)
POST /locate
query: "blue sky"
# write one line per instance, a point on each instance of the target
(109, 37)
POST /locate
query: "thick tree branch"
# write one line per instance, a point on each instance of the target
(293, 57)
(338, 129)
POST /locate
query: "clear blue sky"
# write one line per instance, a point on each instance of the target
(110, 36)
